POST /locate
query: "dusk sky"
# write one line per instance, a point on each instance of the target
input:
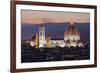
(55, 23)
(38, 17)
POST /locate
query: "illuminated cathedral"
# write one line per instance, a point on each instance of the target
(71, 38)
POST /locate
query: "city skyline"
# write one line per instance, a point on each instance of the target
(54, 36)
(29, 30)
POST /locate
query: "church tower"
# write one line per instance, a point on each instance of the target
(42, 36)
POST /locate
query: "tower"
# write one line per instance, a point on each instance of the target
(42, 36)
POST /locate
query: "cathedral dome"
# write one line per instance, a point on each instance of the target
(72, 30)
(71, 36)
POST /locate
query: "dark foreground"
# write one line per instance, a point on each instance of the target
(30, 54)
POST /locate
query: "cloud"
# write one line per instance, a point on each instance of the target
(39, 17)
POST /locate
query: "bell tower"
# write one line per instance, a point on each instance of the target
(41, 36)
